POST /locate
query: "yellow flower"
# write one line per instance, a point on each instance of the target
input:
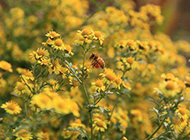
(108, 76)
(65, 106)
(45, 61)
(150, 12)
(72, 133)
(11, 107)
(61, 105)
(40, 53)
(85, 36)
(169, 88)
(23, 134)
(98, 36)
(6, 66)
(25, 72)
(118, 82)
(111, 52)
(124, 138)
(57, 44)
(131, 45)
(27, 75)
(85, 32)
(77, 123)
(168, 76)
(68, 49)
(143, 46)
(20, 88)
(73, 81)
(52, 34)
(99, 125)
(43, 136)
(74, 108)
(43, 101)
(121, 116)
(55, 67)
(180, 119)
(2, 83)
(63, 71)
(54, 84)
(98, 85)
(187, 81)
(137, 115)
(17, 13)
(130, 60)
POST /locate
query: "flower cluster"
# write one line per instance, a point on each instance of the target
(67, 72)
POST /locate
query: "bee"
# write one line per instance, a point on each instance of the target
(97, 61)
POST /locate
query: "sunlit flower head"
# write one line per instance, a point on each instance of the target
(108, 75)
(169, 88)
(52, 34)
(98, 85)
(98, 36)
(58, 44)
(68, 49)
(11, 107)
(41, 52)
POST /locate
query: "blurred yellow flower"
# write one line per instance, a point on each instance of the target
(23, 134)
(6, 66)
(43, 101)
(99, 125)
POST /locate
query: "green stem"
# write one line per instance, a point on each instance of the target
(156, 130)
(26, 111)
(27, 85)
(86, 94)
(84, 59)
(72, 71)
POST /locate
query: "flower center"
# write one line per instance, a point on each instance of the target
(44, 100)
(130, 60)
(100, 123)
(58, 42)
(99, 83)
(54, 34)
(41, 52)
(85, 32)
(110, 76)
(118, 81)
(182, 111)
(11, 107)
(20, 87)
(98, 34)
(170, 85)
(60, 105)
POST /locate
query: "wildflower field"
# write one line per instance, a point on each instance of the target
(91, 70)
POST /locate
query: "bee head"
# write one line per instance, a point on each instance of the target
(93, 56)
